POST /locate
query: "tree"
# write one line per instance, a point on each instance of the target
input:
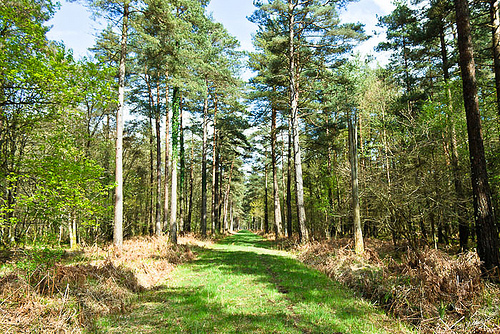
(35, 80)
(121, 9)
(487, 235)
(402, 30)
(118, 221)
(353, 152)
(313, 30)
(176, 105)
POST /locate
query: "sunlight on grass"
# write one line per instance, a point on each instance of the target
(242, 285)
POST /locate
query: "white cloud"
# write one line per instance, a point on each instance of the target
(385, 5)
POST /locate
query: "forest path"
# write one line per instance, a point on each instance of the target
(242, 285)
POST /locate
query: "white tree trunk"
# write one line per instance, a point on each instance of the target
(118, 218)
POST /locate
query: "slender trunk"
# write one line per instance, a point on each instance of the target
(226, 196)
(276, 195)
(158, 164)
(151, 219)
(294, 109)
(9, 213)
(203, 223)
(182, 173)
(118, 217)
(231, 218)
(107, 161)
(487, 235)
(331, 205)
(167, 158)
(217, 190)
(187, 226)
(463, 225)
(266, 208)
(72, 232)
(495, 33)
(283, 180)
(406, 67)
(387, 169)
(175, 157)
(289, 226)
(353, 150)
(214, 167)
(151, 173)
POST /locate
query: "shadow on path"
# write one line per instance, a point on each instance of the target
(243, 286)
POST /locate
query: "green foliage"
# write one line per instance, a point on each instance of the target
(38, 260)
(68, 184)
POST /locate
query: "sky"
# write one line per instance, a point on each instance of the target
(73, 25)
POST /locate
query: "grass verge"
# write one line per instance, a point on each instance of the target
(48, 291)
(431, 290)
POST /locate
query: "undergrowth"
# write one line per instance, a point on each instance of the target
(435, 292)
(45, 290)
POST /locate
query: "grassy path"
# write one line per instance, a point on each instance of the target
(241, 285)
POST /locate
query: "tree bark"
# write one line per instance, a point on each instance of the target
(203, 223)
(495, 39)
(231, 218)
(353, 151)
(214, 171)
(266, 208)
(276, 195)
(487, 235)
(331, 205)
(151, 218)
(182, 176)
(151, 171)
(217, 189)
(463, 225)
(226, 196)
(118, 217)
(175, 157)
(294, 109)
(289, 225)
(187, 225)
(167, 158)
(158, 162)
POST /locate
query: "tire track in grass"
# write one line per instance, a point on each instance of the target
(242, 285)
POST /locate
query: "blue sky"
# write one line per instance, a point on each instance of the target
(72, 23)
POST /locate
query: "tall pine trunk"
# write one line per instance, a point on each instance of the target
(167, 158)
(187, 225)
(158, 167)
(214, 171)
(487, 235)
(182, 174)
(294, 110)
(266, 208)
(175, 159)
(463, 225)
(226, 197)
(495, 39)
(289, 225)
(151, 172)
(356, 212)
(276, 195)
(203, 223)
(331, 206)
(217, 189)
(151, 218)
(118, 217)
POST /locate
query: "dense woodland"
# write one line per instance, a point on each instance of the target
(320, 143)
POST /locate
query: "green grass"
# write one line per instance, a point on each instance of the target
(242, 285)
